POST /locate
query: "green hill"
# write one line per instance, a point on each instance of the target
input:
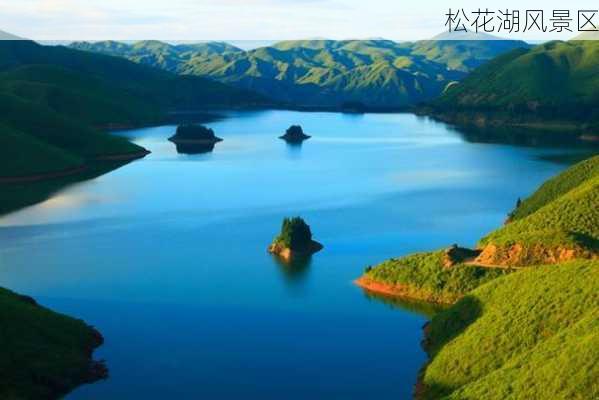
(327, 73)
(559, 222)
(556, 81)
(531, 335)
(523, 333)
(21, 154)
(53, 99)
(422, 276)
(558, 186)
(154, 86)
(90, 99)
(58, 130)
(44, 354)
(464, 51)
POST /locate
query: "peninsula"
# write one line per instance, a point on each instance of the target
(524, 303)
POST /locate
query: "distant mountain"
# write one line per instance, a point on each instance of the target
(553, 81)
(53, 98)
(328, 73)
(159, 54)
(464, 51)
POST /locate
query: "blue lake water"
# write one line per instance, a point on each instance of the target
(167, 255)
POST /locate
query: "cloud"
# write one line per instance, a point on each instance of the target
(236, 19)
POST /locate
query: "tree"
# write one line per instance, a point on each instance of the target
(295, 233)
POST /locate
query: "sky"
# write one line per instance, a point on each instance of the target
(259, 20)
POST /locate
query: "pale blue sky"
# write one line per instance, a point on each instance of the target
(247, 19)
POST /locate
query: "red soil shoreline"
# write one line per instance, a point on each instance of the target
(401, 291)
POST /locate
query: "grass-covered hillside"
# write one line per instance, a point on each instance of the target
(560, 221)
(423, 276)
(152, 85)
(463, 51)
(329, 73)
(530, 335)
(556, 81)
(54, 100)
(44, 354)
(557, 186)
(513, 333)
(22, 154)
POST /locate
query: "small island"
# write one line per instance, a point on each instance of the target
(295, 134)
(295, 239)
(194, 134)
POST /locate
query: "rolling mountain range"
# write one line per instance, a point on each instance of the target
(326, 73)
(554, 81)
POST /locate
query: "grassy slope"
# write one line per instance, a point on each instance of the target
(563, 213)
(424, 277)
(21, 154)
(81, 96)
(557, 186)
(465, 54)
(43, 353)
(557, 80)
(531, 335)
(60, 131)
(573, 215)
(55, 95)
(323, 72)
(152, 85)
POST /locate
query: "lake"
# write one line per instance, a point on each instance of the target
(167, 255)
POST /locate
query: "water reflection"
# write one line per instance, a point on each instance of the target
(294, 149)
(521, 136)
(295, 270)
(402, 304)
(17, 196)
(194, 148)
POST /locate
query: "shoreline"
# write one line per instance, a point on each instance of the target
(402, 291)
(45, 176)
(581, 130)
(123, 156)
(69, 360)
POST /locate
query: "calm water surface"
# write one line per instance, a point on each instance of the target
(167, 255)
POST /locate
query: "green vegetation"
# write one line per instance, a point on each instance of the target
(54, 99)
(563, 212)
(194, 133)
(58, 130)
(295, 134)
(22, 154)
(464, 51)
(295, 234)
(528, 334)
(560, 223)
(555, 82)
(557, 186)
(531, 335)
(423, 276)
(325, 73)
(44, 354)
